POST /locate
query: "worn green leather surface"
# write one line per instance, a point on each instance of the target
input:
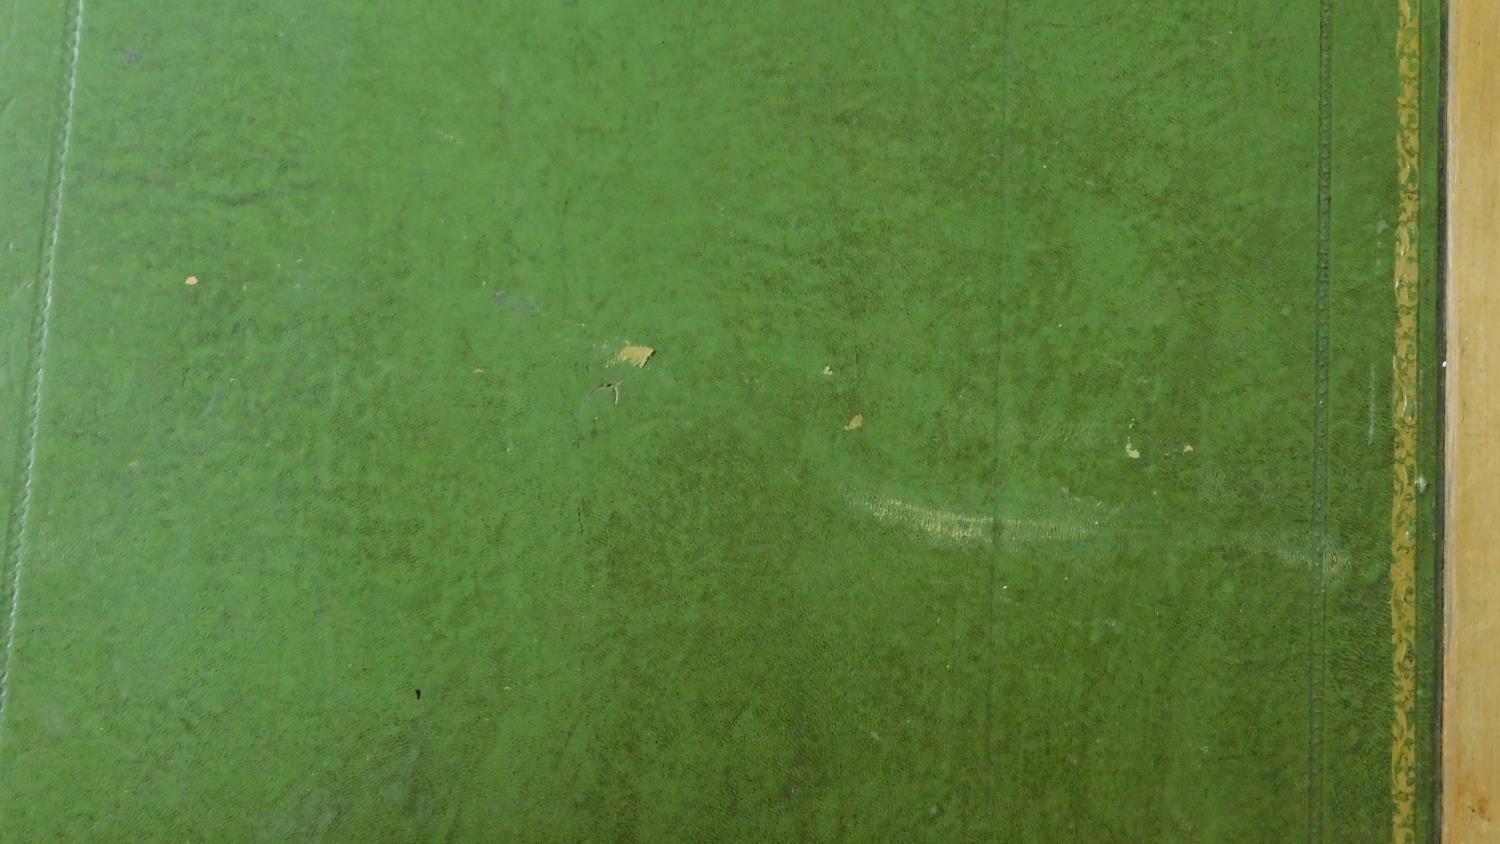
(1091, 569)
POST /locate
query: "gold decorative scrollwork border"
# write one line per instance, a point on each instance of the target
(1405, 406)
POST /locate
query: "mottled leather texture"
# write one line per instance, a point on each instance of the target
(1020, 454)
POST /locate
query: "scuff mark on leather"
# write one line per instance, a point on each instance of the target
(1071, 519)
(634, 355)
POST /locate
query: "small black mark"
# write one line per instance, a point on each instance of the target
(419, 694)
(132, 56)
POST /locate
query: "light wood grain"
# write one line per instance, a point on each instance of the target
(1471, 700)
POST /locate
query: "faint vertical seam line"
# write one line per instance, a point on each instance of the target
(16, 531)
(1318, 657)
(996, 482)
(1404, 378)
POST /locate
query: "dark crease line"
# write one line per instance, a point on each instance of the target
(996, 481)
(1317, 610)
(1440, 408)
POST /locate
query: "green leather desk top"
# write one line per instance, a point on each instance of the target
(1033, 438)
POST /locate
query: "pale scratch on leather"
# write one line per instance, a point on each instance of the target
(949, 525)
(957, 527)
(16, 533)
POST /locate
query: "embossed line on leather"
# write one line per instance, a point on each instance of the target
(41, 319)
(997, 526)
(1317, 610)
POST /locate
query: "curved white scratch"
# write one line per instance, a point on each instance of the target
(54, 227)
